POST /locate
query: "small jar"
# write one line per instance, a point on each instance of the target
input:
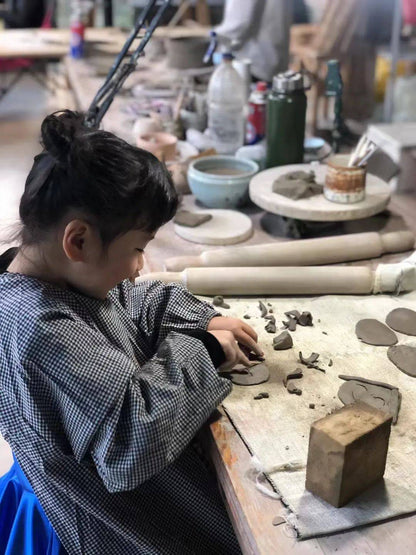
(344, 184)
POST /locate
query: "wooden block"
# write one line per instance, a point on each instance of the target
(347, 452)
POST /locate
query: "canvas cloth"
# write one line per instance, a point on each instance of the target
(277, 429)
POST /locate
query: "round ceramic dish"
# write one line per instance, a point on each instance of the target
(221, 181)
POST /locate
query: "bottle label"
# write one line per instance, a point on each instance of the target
(256, 123)
(226, 128)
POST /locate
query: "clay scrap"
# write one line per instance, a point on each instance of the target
(402, 320)
(283, 341)
(404, 357)
(263, 309)
(311, 361)
(379, 395)
(219, 301)
(263, 395)
(295, 318)
(254, 375)
(297, 185)
(293, 375)
(293, 388)
(376, 333)
(191, 219)
(271, 325)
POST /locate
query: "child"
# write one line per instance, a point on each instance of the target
(104, 384)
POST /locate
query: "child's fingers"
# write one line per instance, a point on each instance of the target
(249, 342)
(242, 359)
(250, 331)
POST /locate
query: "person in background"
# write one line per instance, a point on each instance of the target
(21, 14)
(262, 28)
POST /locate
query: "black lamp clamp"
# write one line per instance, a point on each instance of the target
(119, 73)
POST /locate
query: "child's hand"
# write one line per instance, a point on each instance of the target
(242, 332)
(233, 354)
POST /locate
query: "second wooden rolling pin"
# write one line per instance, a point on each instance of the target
(311, 280)
(305, 252)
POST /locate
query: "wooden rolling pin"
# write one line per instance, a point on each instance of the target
(310, 280)
(306, 252)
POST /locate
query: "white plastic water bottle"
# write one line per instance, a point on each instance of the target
(226, 105)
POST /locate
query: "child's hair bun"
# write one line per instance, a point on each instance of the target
(59, 131)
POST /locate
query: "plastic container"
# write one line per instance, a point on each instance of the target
(77, 30)
(405, 99)
(256, 121)
(226, 104)
(286, 118)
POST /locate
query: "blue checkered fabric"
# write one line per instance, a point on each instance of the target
(99, 400)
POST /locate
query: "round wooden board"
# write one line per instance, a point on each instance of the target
(317, 208)
(226, 227)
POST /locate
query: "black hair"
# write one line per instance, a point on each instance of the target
(118, 187)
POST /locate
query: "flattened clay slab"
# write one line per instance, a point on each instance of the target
(191, 219)
(379, 395)
(373, 332)
(402, 320)
(404, 357)
(256, 374)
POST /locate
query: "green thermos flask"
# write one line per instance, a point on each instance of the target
(286, 118)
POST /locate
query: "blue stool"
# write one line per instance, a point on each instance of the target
(24, 527)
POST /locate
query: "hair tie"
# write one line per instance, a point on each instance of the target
(43, 166)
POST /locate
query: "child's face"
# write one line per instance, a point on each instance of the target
(93, 269)
(123, 258)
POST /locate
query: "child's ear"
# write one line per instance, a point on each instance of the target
(77, 239)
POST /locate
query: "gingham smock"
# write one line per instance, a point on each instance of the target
(99, 400)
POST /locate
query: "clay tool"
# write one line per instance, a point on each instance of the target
(305, 252)
(362, 152)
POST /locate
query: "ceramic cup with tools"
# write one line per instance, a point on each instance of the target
(344, 184)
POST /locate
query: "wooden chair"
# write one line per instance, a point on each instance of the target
(337, 36)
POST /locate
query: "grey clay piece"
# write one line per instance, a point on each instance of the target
(292, 388)
(295, 317)
(293, 375)
(191, 219)
(379, 395)
(270, 327)
(305, 319)
(404, 357)
(283, 341)
(263, 309)
(311, 361)
(256, 374)
(402, 320)
(374, 332)
(218, 300)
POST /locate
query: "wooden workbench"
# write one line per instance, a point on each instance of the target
(54, 43)
(250, 510)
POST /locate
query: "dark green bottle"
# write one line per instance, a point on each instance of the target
(286, 118)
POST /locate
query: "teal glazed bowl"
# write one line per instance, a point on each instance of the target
(221, 181)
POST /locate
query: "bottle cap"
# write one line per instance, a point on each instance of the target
(261, 86)
(227, 56)
(288, 81)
